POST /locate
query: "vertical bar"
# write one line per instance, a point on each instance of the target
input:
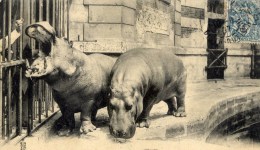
(9, 29)
(40, 101)
(4, 29)
(47, 10)
(68, 20)
(2, 71)
(20, 109)
(40, 90)
(52, 103)
(62, 18)
(57, 18)
(9, 79)
(53, 14)
(30, 105)
(46, 100)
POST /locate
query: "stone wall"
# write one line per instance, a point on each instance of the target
(194, 23)
(115, 26)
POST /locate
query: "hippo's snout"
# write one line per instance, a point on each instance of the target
(119, 133)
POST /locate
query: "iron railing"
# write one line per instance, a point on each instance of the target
(24, 102)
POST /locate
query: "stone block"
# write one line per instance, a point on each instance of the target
(78, 13)
(128, 32)
(230, 103)
(241, 100)
(178, 6)
(177, 29)
(77, 1)
(195, 127)
(128, 16)
(127, 3)
(177, 40)
(175, 131)
(100, 31)
(76, 31)
(105, 14)
(152, 133)
(177, 17)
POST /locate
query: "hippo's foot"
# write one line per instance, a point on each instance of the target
(170, 112)
(87, 127)
(64, 131)
(180, 112)
(143, 123)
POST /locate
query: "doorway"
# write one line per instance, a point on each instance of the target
(216, 59)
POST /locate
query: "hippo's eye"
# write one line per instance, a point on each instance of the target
(128, 107)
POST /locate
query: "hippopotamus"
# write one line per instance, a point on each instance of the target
(79, 82)
(141, 78)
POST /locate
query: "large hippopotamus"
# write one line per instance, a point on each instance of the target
(79, 81)
(141, 78)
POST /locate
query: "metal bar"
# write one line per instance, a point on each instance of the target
(9, 78)
(57, 18)
(9, 98)
(46, 100)
(62, 18)
(2, 101)
(40, 101)
(30, 110)
(20, 102)
(20, 108)
(52, 103)
(217, 58)
(1, 71)
(35, 99)
(47, 10)
(21, 30)
(9, 29)
(4, 29)
(216, 67)
(68, 20)
(53, 14)
(12, 63)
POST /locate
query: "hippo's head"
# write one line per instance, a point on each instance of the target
(40, 63)
(123, 109)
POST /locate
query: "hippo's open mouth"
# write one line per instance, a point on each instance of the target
(42, 64)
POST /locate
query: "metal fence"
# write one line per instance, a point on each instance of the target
(25, 103)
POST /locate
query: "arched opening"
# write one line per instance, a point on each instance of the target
(242, 128)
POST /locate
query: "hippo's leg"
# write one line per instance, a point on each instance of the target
(142, 120)
(181, 90)
(66, 123)
(172, 108)
(85, 116)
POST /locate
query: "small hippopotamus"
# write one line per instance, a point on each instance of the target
(141, 78)
(80, 82)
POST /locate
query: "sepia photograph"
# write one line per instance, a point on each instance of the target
(129, 74)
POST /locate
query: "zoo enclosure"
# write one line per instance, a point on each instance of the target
(24, 103)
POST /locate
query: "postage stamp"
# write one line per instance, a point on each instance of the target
(243, 21)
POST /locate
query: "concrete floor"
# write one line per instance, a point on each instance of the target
(201, 96)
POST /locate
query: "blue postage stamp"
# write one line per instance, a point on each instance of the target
(243, 21)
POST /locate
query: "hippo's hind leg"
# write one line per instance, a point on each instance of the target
(180, 96)
(172, 105)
